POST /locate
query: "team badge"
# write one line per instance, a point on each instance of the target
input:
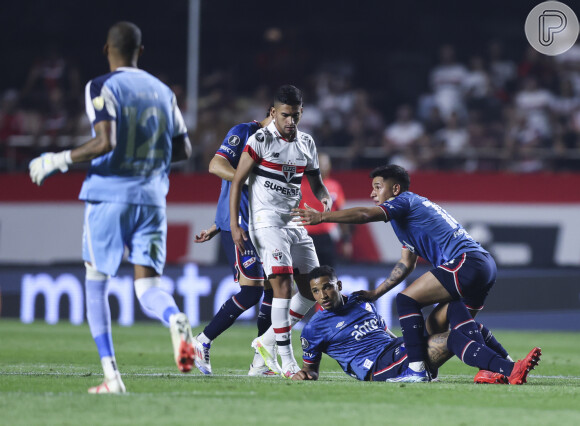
(368, 307)
(260, 137)
(233, 140)
(304, 343)
(249, 262)
(289, 171)
(277, 254)
(99, 103)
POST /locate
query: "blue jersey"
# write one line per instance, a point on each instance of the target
(231, 149)
(145, 118)
(354, 335)
(427, 230)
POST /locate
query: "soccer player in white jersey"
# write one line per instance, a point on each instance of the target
(275, 159)
(138, 131)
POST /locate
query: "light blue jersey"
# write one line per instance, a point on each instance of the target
(428, 230)
(354, 335)
(146, 118)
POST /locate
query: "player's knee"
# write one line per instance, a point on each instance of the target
(249, 295)
(93, 274)
(144, 284)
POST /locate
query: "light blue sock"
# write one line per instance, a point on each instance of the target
(99, 316)
(159, 303)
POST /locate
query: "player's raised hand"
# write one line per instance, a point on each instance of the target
(48, 164)
(307, 215)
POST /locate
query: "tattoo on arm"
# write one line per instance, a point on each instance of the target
(398, 274)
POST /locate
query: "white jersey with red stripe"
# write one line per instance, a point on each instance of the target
(274, 184)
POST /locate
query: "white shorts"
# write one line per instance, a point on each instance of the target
(284, 249)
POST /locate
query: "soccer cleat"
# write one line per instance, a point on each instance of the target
(202, 360)
(181, 338)
(290, 369)
(524, 366)
(485, 376)
(411, 376)
(268, 354)
(114, 385)
(261, 371)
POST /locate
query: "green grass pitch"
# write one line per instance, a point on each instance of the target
(45, 371)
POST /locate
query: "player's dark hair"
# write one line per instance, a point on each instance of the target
(269, 111)
(322, 271)
(395, 172)
(288, 95)
(125, 37)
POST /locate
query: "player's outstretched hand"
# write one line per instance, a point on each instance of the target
(369, 296)
(307, 215)
(48, 164)
(206, 234)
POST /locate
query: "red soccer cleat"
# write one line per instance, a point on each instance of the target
(485, 376)
(524, 366)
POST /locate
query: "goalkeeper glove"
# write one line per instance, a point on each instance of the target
(47, 164)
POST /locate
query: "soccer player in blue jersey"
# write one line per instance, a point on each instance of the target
(246, 266)
(462, 269)
(138, 130)
(350, 331)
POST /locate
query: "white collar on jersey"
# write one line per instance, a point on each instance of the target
(129, 69)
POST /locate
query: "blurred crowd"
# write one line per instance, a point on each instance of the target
(489, 112)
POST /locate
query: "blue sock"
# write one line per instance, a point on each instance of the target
(159, 303)
(476, 354)
(491, 342)
(265, 315)
(232, 309)
(460, 320)
(412, 326)
(99, 316)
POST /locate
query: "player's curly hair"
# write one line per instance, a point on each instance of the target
(288, 95)
(398, 173)
(322, 271)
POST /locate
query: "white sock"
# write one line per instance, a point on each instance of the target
(203, 339)
(109, 367)
(299, 306)
(417, 366)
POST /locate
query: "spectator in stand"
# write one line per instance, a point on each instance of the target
(329, 238)
(404, 133)
(447, 80)
(452, 144)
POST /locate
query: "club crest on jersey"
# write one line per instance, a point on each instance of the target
(99, 103)
(277, 254)
(249, 262)
(289, 171)
(260, 137)
(304, 343)
(233, 140)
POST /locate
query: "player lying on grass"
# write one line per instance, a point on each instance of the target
(350, 331)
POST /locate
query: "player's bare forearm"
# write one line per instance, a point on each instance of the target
(207, 234)
(355, 215)
(101, 144)
(397, 275)
(320, 191)
(180, 148)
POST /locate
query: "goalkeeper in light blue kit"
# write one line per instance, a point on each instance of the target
(138, 131)
(350, 331)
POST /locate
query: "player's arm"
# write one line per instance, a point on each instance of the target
(181, 148)
(308, 372)
(320, 191)
(245, 166)
(356, 215)
(207, 234)
(402, 269)
(49, 162)
(222, 168)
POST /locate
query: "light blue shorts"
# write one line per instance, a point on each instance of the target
(110, 227)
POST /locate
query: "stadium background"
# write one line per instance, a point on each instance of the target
(524, 211)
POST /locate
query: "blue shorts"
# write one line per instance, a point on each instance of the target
(390, 363)
(110, 227)
(468, 277)
(248, 264)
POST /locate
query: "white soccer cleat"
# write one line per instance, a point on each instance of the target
(114, 385)
(290, 369)
(268, 353)
(260, 371)
(182, 338)
(202, 360)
